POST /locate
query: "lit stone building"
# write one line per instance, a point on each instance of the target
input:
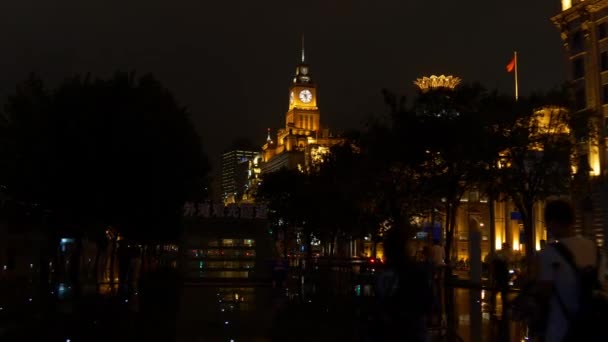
(583, 26)
(474, 211)
(302, 141)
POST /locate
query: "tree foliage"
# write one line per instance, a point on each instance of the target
(117, 152)
(419, 162)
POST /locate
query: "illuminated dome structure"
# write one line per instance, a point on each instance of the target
(434, 82)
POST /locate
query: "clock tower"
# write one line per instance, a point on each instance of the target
(302, 142)
(303, 115)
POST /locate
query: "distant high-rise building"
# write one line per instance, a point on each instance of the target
(234, 174)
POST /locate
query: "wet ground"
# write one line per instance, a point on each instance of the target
(232, 312)
(260, 314)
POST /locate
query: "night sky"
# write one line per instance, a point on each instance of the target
(230, 62)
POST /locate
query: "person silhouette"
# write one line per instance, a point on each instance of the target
(403, 291)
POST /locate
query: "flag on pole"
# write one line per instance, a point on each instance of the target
(511, 65)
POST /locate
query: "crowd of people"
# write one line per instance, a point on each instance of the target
(561, 299)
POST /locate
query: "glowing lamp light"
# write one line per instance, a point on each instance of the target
(498, 242)
(516, 246)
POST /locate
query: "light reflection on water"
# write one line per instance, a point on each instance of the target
(225, 313)
(248, 313)
(239, 312)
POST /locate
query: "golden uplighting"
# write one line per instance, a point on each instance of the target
(434, 82)
(551, 120)
(318, 154)
(566, 4)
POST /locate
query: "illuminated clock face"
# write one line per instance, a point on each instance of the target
(305, 96)
(291, 98)
(304, 70)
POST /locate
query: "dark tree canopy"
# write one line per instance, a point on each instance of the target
(115, 152)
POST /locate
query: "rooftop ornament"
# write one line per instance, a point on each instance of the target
(435, 82)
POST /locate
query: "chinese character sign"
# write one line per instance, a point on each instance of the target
(247, 211)
(219, 210)
(261, 211)
(204, 210)
(189, 209)
(233, 211)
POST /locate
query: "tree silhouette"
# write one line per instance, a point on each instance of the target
(289, 196)
(99, 153)
(538, 161)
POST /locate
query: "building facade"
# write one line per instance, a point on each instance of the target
(226, 242)
(302, 141)
(474, 228)
(583, 26)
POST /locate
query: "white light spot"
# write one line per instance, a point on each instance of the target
(30, 299)
(226, 323)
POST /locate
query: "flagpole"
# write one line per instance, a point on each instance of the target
(516, 78)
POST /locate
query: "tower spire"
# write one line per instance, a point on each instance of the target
(303, 54)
